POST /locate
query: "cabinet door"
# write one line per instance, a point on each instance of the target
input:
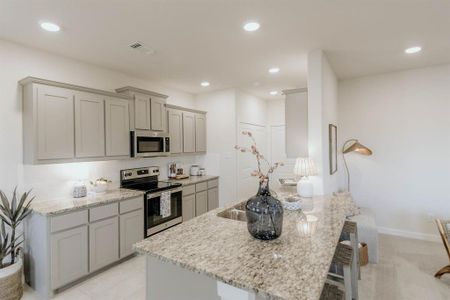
(158, 114)
(175, 130)
(103, 243)
(89, 125)
(188, 207)
(213, 198)
(201, 203)
(141, 112)
(188, 132)
(69, 256)
(131, 231)
(200, 133)
(55, 124)
(117, 127)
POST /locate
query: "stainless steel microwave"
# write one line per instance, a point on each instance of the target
(149, 143)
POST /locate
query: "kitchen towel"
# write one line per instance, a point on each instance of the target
(164, 207)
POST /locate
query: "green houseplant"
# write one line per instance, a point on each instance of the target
(12, 213)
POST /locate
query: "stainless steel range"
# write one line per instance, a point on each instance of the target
(162, 200)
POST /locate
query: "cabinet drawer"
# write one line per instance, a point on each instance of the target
(67, 221)
(103, 212)
(188, 190)
(132, 204)
(213, 183)
(202, 186)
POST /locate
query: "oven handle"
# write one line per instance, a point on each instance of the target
(158, 194)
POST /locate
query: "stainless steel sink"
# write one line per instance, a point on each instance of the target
(236, 212)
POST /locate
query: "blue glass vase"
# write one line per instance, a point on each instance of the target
(264, 214)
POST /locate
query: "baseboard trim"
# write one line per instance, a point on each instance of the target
(409, 234)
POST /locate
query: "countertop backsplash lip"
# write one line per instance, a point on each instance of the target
(63, 205)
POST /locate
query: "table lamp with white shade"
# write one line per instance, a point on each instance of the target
(304, 167)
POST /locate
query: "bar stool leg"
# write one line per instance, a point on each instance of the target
(355, 265)
(348, 283)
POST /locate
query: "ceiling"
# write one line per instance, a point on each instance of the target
(197, 40)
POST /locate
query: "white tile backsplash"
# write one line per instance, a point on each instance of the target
(57, 180)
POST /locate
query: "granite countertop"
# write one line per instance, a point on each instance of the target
(193, 179)
(293, 266)
(64, 205)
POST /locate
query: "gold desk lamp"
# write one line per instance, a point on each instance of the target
(355, 147)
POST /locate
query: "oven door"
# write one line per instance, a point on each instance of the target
(147, 144)
(154, 221)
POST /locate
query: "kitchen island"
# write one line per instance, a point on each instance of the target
(214, 257)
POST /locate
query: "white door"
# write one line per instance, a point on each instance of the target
(89, 125)
(247, 184)
(117, 127)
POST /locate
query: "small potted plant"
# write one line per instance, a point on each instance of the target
(12, 213)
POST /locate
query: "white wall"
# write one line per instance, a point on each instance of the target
(276, 114)
(322, 111)
(404, 117)
(221, 139)
(296, 124)
(18, 62)
(250, 109)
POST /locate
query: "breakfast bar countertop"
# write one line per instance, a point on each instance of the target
(68, 204)
(293, 266)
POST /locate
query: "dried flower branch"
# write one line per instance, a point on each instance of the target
(263, 178)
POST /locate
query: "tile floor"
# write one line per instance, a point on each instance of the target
(405, 272)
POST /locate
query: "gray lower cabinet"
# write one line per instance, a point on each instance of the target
(213, 198)
(103, 243)
(69, 256)
(62, 248)
(201, 203)
(131, 231)
(188, 207)
(200, 198)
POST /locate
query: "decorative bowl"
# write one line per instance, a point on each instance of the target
(292, 203)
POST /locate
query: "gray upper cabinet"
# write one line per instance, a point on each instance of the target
(175, 124)
(141, 111)
(89, 125)
(158, 114)
(69, 123)
(148, 109)
(200, 132)
(188, 132)
(103, 243)
(69, 256)
(117, 131)
(54, 122)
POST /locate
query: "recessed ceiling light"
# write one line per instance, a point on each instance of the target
(50, 27)
(413, 50)
(251, 26)
(274, 70)
(204, 83)
(273, 93)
